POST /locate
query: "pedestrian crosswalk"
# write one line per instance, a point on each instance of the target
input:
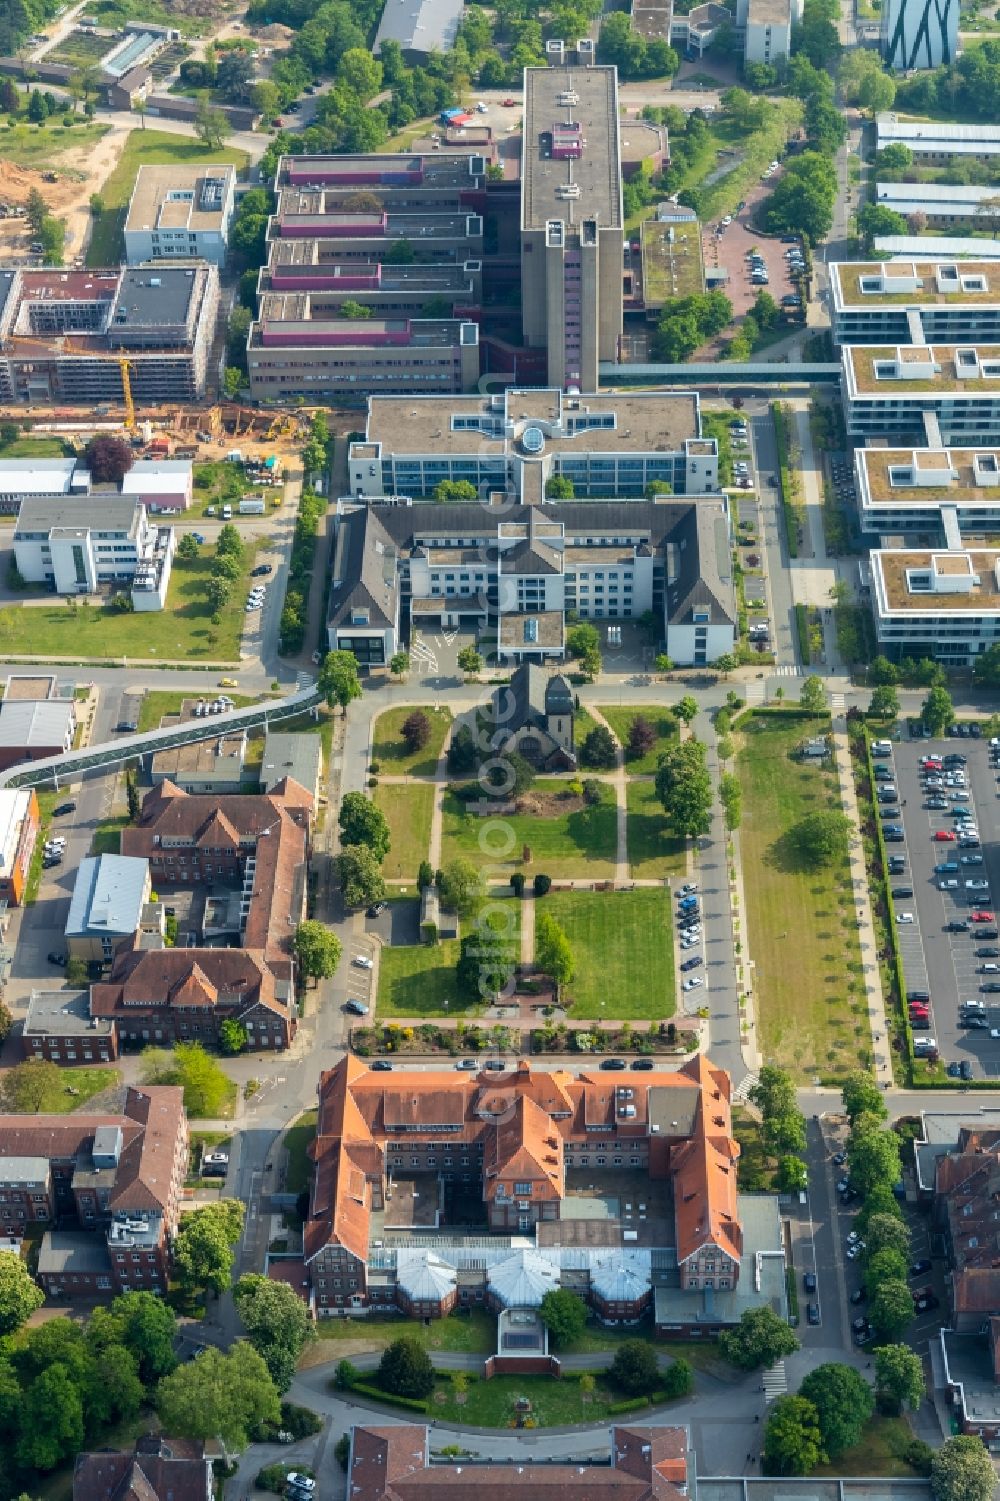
(755, 693)
(775, 1382)
(838, 703)
(785, 670)
(742, 1091)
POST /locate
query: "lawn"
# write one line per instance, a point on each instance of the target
(803, 936)
(474, 1333)
(880, 1452)
(107, 838)
(491, 1404)
(755, 1173)
(653, 852)
(582, 842)
(622, 943)
(389, 748)
(180, 633)
(583, 723)
(42, 145)
(157, 702)
(34, 448)
(221, 483)
(662, 721)
(408, 810)
(298, 1139)
(73, 1087)
(46, 802)
(419, 980)
(142, 147)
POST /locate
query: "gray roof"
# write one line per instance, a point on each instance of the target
(27, 722)
(558, 695)
(291, 755)
(530, 556)
(429, 27)
(64, 1252)
(63, 1013)
(364, 573)
(107, 897)
(24, 1170)
(529, 685)
(762, 1273)
(153, 295)
(106, 513)
(704, 568)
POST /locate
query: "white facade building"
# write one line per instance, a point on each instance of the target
(109, 544)
(931, 395)
(941, 604)
(933, 143)
(767, 36)
(943, 205)
(918, 301)
(180, 213)
(919, 33)
(951, 491)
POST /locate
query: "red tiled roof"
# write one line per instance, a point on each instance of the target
(226, 980)
(154, 1472)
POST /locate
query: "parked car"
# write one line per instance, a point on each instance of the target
(467, 1064)
(812, 1313)
(809, 1282)
(616, 1064)
(59, 959)
(380, 1066)
(356, 1008)
(62, 809)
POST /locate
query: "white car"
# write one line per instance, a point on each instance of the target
(688, 889)
(693, 982)
(728, 219)
(977, 885)
(995, 1032)
(905, 917)
(300, 1482)
(363, 962)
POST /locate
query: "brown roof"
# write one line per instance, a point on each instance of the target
(156, 1471)
(977, 1290)
(525, 1147)
(219, 980)
(967, 1182)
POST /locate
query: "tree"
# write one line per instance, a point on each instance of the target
(883, 1266)
(338, 678)
(821, 838)
(416, 730)
(361, 822)
(359, 72)
(962, 1470)
(37, 113)
(938, 711)
(986, 669)
(203, 1248)
(405, 1369)
(759, 1339)
(634, 1369)
(232, 381)
(812, 698)
(513, 777)
(485, 966)
(793, 1444)
(899, 1375)
(461, 887)
(218, 592)
(881, 670)
(802, 202)
(53, 237)
(317, 950)
(145, 1325)
(210, 124)
(684, 788)
(25, 1087)
(187, 548)
(542, 884)
(553, 955)
(686, 708)
(782, 1122)
(793, 1175)
(19, 1294)
(887, 1232)
(277, 1324)
(233, 1036)
(890, 1309)
(598, 749)
(678, 1379)
(35, 210)
(584, 644)
(559, 487)
(234, 76)
(844, 1401)
(470, 661)
(399, 664)
(874, 1157)
(641, 738)
(359, 875)
(731, 795)
(885, 702)
(877, 93)
(895, 157)
(564, 1315)
(663, 663)
(455, 489)
(861, 1096)
(229, 1396)
(206, 1087)
(107, 459)
(462, 752)
(51, 1420)
(229, 543)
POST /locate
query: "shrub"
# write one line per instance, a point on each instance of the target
(541, 884)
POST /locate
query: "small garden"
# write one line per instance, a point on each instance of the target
(568, 828)
(396, 754)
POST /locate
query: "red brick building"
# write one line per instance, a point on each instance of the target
(159, 1469)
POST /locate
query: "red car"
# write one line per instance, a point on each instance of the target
(944, 836)
(983, 917)
(509, 103)
(919, 1013)
(932, 761)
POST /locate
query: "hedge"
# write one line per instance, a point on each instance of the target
(412, 1404)
(300, 566)
(786, 480)
(802, 632)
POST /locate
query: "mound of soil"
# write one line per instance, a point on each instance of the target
(549, 804)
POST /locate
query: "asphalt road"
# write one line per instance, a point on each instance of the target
(779, 579)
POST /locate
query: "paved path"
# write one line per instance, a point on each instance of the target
(619, 780)
(528, 927)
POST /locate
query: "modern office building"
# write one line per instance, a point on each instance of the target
(571, 218)
(938, 603)
(919, 33)
(935, 144)
(514, 443)
(106, 543)
(522, 570)
(929, 395)
(421, 197)
(68, 335)
(767, 29)
(180, 212)
(316, 268)
(915, 301)
(937, 492)
(942, 205)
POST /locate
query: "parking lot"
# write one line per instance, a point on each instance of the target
(728, 250)
(950, 965)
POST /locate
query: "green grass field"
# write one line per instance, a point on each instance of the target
(181, 632)
(29, 145)
(622, 943)
(420, 981)
(389, 748)
(408, 811)
(143, 147)
(73, 1087)
(653, 852)
(880, 1452)
(157, 702)
(581, 843)
(297, 1141)
(34, 448)
(662, 721)
(107, 838)
(803, 936)
(474, 1333)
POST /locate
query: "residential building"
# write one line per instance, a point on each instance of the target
(942, 205)
(935, 144)
(111, 1182)
(950, 492)
(84, 548)
(943, 604)
(460, 565)
(915, 301)
(571, 217)
(65, 336)
(180, 212)
(514, 442)
(59, 1028)
(431, 27)
(767, 29)
(929, 395)
(19, 821)
(521, 1135)
(105, 909)
(919, 33)
(35, 730)
(157, 1469)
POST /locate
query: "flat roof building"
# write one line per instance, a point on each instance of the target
(180, 212)
(109, 894)
(950, 491)
(938, 603)
(571, 219)
(915, 301)
(19, 820)
(104, 543)
(767, 36)
(292, 754)
(33, 731)
(931, 395)
(931, 141)
(431, 27)
(943, 205)
(59, 1028)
